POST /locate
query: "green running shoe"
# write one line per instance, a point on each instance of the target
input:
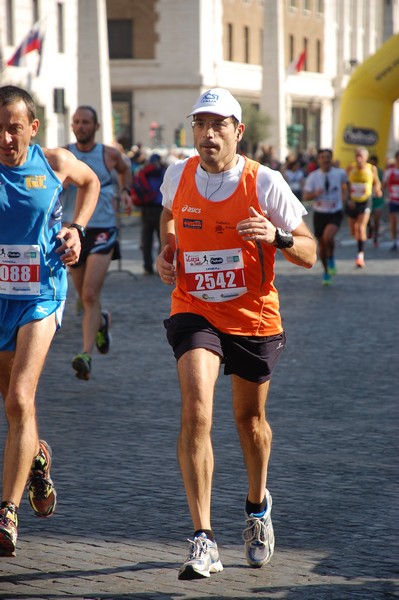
(103, 337)
(82, 365)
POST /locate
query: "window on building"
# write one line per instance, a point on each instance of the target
(229, 41)
(306, 6)
(35, 10)
(292, 4)
(122, 118)
(291, 48)
(10, 23)
(246, 44)
(260, 46)
(60, 27)
(320, 6)
(120, 38)
(309, 117)
(318, 56)
(306, 48)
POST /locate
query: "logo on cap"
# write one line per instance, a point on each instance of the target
(209, 98)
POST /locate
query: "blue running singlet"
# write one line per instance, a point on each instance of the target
(30, 218)
(104, 213)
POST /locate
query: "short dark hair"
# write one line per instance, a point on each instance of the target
(9, 94)
(321, 150)
(91, 109)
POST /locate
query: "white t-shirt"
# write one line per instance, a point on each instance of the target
(275, 197)
(330, 201)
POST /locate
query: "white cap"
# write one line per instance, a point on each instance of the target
(219, 102)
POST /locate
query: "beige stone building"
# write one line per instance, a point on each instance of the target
(164, 53)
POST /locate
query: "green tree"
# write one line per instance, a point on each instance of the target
(256, 127)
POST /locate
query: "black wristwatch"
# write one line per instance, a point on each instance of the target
(283, 239)
(80, 228)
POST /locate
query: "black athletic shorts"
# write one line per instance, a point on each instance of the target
(251, 357)
(321, 220)
(99, 241)
(357, 208)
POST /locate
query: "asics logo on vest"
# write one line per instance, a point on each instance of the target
(190, 209)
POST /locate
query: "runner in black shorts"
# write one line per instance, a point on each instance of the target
(364, 183)
(224, 216)
(100, 245)
(327, 186)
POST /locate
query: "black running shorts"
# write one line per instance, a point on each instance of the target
(321, 220)
(357, 208)
(99, 241)
(251, 357)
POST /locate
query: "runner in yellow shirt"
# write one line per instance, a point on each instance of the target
(363, 179)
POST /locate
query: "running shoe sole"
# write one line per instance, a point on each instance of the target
(7, 546)
(81, 368)
(189, 572)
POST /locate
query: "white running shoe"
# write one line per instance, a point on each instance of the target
(259, 536)
(203, 559)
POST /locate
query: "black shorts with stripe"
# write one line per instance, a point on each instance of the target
(99, 241)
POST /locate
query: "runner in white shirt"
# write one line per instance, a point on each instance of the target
(328, 187)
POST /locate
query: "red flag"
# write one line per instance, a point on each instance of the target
(300, 63)
(297, 64)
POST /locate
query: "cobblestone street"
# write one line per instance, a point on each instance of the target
(121, 525)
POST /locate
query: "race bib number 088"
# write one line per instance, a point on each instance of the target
(20, 269)
(215, 275)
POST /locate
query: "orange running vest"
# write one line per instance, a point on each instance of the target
(219, 276)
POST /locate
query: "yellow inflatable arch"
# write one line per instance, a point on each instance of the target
(366, 106)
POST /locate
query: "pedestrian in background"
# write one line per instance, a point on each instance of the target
(34, 250)
(223, 218)
(294, 176)
(149, 179)
(100, 241)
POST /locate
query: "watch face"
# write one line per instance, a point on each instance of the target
(283, 238)
(80, 228)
